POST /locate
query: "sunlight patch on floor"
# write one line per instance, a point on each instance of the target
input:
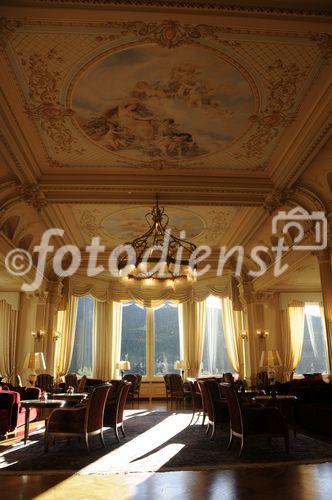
(127, 456)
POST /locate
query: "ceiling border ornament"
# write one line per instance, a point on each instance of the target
(281, 97)
(43, 91)
(218, 5)
(33, 195)
(7, 28)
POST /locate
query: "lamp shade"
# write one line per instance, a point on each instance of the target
(123, 365)
(180, 364)
(34, 361)
(270, 358)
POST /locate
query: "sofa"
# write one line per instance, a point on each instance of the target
(314, 402)
(12, 414)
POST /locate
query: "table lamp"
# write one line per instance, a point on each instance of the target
(270, 360)
(180, 364)
(122, 365)
(34, 361)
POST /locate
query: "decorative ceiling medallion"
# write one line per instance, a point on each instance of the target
(150, 103)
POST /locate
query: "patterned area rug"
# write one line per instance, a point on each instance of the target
(157, 441)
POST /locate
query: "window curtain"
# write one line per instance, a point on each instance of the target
(106, 338)
(192, 329)
(66, 323)
(212, 335)
(293, 326)
(8, 334)
(230, 332)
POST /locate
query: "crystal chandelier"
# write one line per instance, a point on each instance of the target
(161, 257)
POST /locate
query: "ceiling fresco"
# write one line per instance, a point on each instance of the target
(147, 102)
(162, 95)
(119, 223)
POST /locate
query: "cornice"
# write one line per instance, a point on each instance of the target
(263, 8)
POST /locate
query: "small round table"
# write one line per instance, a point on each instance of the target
(71, 398)
(38, 403)
(285, 403)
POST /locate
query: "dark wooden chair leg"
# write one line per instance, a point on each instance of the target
(87, 442)
(122, 431)
(102, 439)
(230, 441)
(242, 446)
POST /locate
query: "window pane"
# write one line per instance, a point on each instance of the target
(133, 338)
(81, 361)
(167, 339)
(215, 359)
(314, 354)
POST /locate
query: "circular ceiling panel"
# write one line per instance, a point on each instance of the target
(130, 223)
(150, 102)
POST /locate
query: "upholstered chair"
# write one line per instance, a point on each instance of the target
(114, 410)
(167, 387)
(137, 387)
(81, 384)
(71, 380)
(130, 377)
(79, 421)
(45, 382)
(196, 398)
(215, 403)
(249, 420)
(178, 392)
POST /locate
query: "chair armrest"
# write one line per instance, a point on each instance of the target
(69, 419)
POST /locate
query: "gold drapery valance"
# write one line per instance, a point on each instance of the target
(149, 296)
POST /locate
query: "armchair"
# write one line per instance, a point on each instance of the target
(79, 421)
(253, 420)
(45, 382)
(115, 405)
(12, 414)
(177, 390)
(216, 405)
(71, 380)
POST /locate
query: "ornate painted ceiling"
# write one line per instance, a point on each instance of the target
(161, 94)
(220, 110)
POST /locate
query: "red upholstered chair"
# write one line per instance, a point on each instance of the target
(79, 421)
(12, 415)
(114, 410)
(249, 420)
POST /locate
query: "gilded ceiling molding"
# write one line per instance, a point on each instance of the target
(43, 91)
(309, 153)
(33, 195)
(7, 28)
(282, 92)
(277, 199)
(219, 5)
(13, 157)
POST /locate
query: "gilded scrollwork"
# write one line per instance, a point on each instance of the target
(33, 195)
(7, 28)
(282, 92)
(45, 108)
